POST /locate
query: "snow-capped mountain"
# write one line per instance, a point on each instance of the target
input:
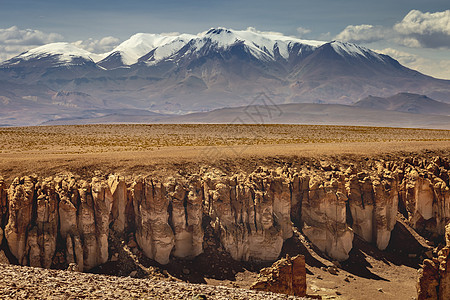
(216, 68)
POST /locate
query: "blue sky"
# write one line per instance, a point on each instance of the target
(415, 32)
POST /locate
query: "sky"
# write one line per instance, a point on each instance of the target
(415, 32)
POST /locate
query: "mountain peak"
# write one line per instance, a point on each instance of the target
(66, 51)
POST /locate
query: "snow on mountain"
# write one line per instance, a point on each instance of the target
(348, 49)
(261, 45)
(157, 47)
(141, 44)
(65, 52)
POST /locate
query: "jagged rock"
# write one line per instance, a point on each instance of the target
(361, 203)
(373, 203)
(186, 216)
(3, 259)
(286, 276)
(118, 189)
(86, 226)
(153, 232)
(46, 230)
(103, 201)
(299, 191)
(3, 205)
(67, 190)
(386, 203)
(324, 217)
(434, 277)
(244, 215)
(20, 198)
(428, 202)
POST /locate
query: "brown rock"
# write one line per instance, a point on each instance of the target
(153, 232)
(324, 217)
(286, 276)
(20, 196)
(434, 277)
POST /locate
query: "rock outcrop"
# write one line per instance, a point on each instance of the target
(252, 214)
(285, 276)
(426, 195)
(434, 277)
(153, 232)
(324, 217)
(20, 208)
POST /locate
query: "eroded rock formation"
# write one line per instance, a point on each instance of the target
(286, 276)
(252, 214)
(324, 217)
(434, 277)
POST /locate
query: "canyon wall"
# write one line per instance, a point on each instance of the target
(252, 214)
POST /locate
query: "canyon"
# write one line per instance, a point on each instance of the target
(252, 214)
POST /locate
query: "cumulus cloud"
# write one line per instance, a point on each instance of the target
(416, 30)
(103, 45)
(429, 30)
(302, 31)
(363, 33)
(435, 68)
(14, 40)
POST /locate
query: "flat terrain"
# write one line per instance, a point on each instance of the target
(140, 149)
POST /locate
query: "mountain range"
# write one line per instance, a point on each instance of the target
(153, 75)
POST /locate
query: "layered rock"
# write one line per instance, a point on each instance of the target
(3, 205)
(373, 203)
(42, 237)
(186, 218)
(324, 217)
(286, 276)
(20, 208)
(153, 232)
(426, 195)
(244, 213)
(67, 190)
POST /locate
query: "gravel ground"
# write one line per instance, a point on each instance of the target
(18, 282)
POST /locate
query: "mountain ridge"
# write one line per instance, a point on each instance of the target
(214, 69)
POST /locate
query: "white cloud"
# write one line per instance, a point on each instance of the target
(103, 45)
(302, 31)
(429, 30)
(363, 33)
(253, 29)
(14, 40)
(416, 30)
(435, 68)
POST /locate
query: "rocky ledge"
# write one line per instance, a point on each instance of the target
(68, 220)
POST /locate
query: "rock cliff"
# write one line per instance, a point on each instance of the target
(252, 214)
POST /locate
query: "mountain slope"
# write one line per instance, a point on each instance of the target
(406, 102)
(213, 69)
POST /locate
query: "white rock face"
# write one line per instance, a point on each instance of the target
(186, 198)
(373, 203)
(153, 232)
(243, 213)
(427, 195)
(361, 201)
(324, 217)
(118, 189)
